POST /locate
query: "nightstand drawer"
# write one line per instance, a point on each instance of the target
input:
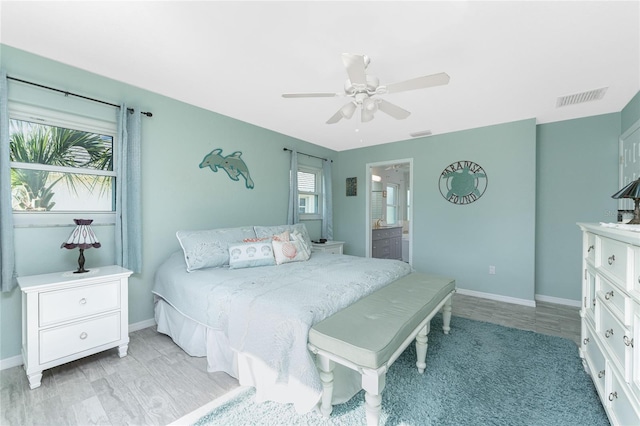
(63, 305)
(63, 341)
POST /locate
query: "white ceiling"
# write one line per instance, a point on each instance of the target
(507, 60)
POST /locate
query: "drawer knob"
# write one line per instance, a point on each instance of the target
(608, 295)
(591, 247)
(608, 333)
(613, 395)
(627, 341)
(83, 335)
(601, 374)
(611, 259)
(83, 301)
(586, 340)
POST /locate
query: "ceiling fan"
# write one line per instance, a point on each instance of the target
(361, 87)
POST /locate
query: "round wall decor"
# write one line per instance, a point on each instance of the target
(463, 182)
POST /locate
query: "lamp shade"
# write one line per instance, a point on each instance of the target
(82, 236)
(630, 191)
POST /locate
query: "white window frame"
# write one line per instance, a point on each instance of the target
(318, 192)
(23, 219)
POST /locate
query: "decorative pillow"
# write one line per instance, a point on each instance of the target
(289, 251)
(268, 231)
(251, 254)
(209, 248)
(285, 236)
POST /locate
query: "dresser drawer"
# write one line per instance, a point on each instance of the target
(615, 300)
(635, 276)
(590, 249)
(59, 342)
(613, 333)
(623, 408)
(595, 360)
(78, 302)
(613, 258)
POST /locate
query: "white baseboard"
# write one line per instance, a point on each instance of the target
(497, 297)
(15, 361)
(558, 301)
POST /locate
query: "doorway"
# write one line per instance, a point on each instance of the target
(389, 202)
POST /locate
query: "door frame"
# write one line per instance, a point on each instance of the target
(367, 220)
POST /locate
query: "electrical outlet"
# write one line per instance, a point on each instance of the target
(492, 270)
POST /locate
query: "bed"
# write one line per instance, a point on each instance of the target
(252, 322)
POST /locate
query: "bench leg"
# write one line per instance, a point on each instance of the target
(373, 383)
(421, 348)
(326, 376)
(446, 315)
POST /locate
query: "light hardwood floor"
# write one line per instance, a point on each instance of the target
(157, 382)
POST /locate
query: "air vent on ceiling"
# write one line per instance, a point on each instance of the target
(421, 133)
(578, 98)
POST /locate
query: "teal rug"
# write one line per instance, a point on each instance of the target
(480, 374)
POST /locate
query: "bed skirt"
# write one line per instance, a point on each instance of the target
(199, 340)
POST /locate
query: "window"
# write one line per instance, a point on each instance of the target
(61, 164)
(309, 193)
(392, 203)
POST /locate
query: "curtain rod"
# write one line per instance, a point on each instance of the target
(308, 155)
(66, 93)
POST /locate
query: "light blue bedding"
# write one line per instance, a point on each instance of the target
(266, 312)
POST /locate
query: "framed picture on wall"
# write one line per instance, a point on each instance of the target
(352, 186)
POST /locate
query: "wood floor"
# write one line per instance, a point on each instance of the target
(157, 383)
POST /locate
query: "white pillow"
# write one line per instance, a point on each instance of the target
(248, 255)
(209, 248)
(289, 251)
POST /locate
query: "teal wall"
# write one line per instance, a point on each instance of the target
(460, 241)
(533, 170)
(176, 194)
(577, 174)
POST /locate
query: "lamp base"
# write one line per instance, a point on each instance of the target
(81, 269)
(636, 214)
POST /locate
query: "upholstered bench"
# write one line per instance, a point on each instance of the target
(369, 335)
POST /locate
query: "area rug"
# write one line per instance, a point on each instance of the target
(479, 374)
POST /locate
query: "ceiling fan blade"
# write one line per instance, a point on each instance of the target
(393, 110)
(366, 115)
(355, 68)
(310, 95)
(348, 110)
(335, 117)
(419, 83)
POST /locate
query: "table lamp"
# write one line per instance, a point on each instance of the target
(83, 237)
(631, 191)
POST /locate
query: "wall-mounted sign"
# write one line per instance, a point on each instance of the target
(463, 182)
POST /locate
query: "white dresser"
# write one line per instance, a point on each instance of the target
(67, 316)
(611, 318)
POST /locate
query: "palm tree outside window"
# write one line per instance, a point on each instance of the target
(61, 165)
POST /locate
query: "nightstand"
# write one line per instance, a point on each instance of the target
(333, 247)
(67, 316)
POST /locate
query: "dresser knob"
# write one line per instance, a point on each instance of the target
(608, 333)
(601, 374)
(608, 295)
(83, 335)
(613, 395)
(627, 341)
(611, 259)
(591, 247)
(83, 301)
(586, 340)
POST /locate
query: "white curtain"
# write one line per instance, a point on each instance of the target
(293, 213)
(7, 254)
(128, 238)
(327, 204)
